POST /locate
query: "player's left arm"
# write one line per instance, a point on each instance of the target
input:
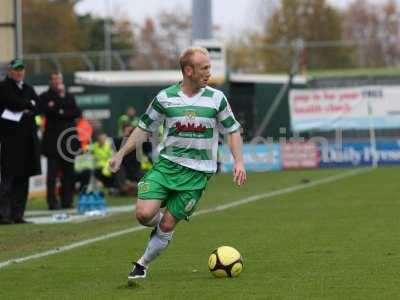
(236, 144)
(228, 125)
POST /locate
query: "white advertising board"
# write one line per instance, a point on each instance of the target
(345, 108)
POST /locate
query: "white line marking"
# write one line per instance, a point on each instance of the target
(111, 209)
(65, 217)
(201, 212)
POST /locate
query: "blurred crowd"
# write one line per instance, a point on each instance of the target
(78, 156)
(51, 124)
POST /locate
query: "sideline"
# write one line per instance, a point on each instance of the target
(71, 215)
(201, 212)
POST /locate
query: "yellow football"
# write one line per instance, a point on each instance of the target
(225, 261)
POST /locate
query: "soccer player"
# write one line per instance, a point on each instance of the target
(193, 115)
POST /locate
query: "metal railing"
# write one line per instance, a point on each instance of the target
(126, 59)
(88, 60)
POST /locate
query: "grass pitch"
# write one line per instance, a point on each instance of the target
(336, 240)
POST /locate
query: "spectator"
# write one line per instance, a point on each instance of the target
(129, 118)
(84, 163)
(85, 132)
(60, 142)
(103, 151)
(20, 153)
(130, 172)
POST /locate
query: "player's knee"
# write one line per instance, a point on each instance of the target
(144, 215)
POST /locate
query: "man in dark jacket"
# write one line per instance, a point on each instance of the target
(60, 140)
(19, 144)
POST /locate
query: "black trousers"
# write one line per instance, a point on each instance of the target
(108, 182)
(57, 167)
(83, 178)
(13, 196)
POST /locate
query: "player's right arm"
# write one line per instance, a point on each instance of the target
(137, 137)
(149, 122)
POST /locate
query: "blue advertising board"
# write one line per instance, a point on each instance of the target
(360, 154)
(257, 157)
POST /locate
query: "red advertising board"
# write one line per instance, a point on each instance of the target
(299, 155)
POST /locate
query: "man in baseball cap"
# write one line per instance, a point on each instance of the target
(20, 152)
(16, 64)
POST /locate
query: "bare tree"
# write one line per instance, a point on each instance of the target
(162, 39)
(286, 23)
(376, 28)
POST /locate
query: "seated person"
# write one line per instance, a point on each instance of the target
(103, 151)
(130, 171)
(84, 168)
(130, 118)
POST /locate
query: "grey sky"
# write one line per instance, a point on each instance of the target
(236, 15)
(230, 15)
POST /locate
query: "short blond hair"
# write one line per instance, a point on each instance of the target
(185, 59)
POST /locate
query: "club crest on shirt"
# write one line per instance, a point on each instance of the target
(143, 187)
(190, 114)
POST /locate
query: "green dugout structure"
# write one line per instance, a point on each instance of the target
(251, 97)
(104, 96)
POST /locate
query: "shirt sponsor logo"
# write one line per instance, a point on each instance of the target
(190, 127)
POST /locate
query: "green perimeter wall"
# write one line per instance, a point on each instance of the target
(252, 101)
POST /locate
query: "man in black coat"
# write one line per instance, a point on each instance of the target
(19, 144)
(60, 140)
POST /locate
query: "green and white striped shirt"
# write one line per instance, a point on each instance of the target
(191, 125)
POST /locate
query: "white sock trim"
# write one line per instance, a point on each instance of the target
(164, 235)
(156, 245)
(142, 262)
(155, 220)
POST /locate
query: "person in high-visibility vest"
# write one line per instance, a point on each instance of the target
(131, 170)
(103, 151)
(129, 118)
